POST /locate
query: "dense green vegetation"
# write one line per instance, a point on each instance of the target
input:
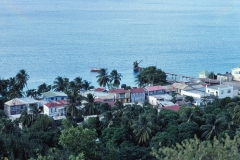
(151, 76)
(121, 132)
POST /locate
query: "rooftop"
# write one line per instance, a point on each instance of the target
(28, 100)
(99, 89)
(219, 86)
(118, 91)
(53, 94)
(179, 85)
(55, 104)
(137, 90)
(204, 72)
(21, 101)
(154, 88)
(102, 95)
(163, 96)
(173, 108)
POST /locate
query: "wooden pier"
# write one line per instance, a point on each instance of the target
(180, 76)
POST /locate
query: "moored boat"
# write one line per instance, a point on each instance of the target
(95, 69)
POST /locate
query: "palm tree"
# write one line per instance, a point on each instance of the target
(213, 127)
(43, 88)
(61, 84)
(115, 77)
(78, 82)
(120, 106)
(74, 100)
(32, 93)
(103, 77)
(142, 130)
(21, 79)
(90, 108)
(26, 119)
(140, 80)
(87, 85)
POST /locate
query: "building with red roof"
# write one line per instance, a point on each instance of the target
(100, 90)
(173, 108)
(55, 108)
(121, 95)
(154, 90)
(137, 95)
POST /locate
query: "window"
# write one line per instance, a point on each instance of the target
(222, 92)
(62, 98)
(229, 91)
(55, 109)
(21, 107)
(51, 110)
(51, 98)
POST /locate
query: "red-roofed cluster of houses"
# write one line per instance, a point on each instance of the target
(54, 103)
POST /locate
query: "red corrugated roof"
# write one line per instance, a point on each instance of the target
(154, 88)
(54, 104)
(118, 91)
(137, 90)
(99, 89)
(111, 103)
(174, 107)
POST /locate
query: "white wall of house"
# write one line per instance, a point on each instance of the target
(54, 111)
(236, 74)
(152, 100)
(220, 91)
(222, 78)
(194, 95)
(138, 97)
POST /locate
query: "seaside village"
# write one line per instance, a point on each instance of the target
(202, 90)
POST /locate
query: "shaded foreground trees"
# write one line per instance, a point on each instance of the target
(190, 149)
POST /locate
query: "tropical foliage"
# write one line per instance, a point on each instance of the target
(120, 131)
(151, 76)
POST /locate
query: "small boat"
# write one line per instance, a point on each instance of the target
(95, 69)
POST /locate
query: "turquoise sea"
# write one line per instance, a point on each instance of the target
(51, 38)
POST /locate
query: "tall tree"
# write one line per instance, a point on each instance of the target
(32, 93)
(43, 88)
(61, 84)
(87, 85)
(213, 127)
(115, 78)
(90, 107)
(21, 79)
(78, 140)
(103, 77)
(74, 99)
(142, 130)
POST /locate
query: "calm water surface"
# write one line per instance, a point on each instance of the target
(56, 38)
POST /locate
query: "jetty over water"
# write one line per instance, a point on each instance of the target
(178, 75)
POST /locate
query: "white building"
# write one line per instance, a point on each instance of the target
(236, 74)
(203, 74)
(224, 77)
(17, 105)
(154, 99)
(179, 87)
(55, 108)
(221, 91)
